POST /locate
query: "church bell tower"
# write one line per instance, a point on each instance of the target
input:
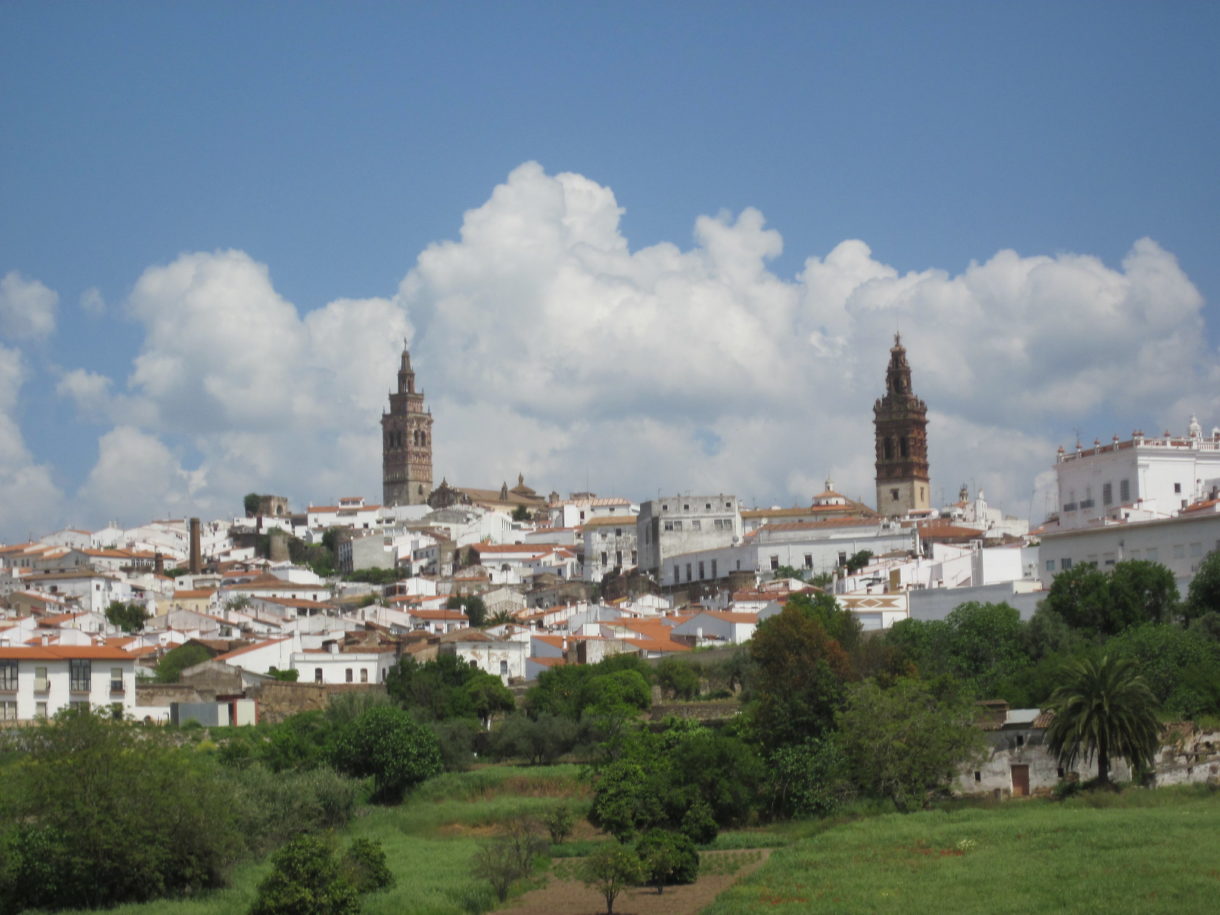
(901, 423)
(406, 442)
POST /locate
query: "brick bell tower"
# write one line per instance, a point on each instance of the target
(901, 422)
(406, 442)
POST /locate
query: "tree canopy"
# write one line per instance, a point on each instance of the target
(1103, 708)
(389, 745)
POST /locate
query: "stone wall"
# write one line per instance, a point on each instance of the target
(279, 700)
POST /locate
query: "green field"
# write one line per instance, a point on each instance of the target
(1142, 852)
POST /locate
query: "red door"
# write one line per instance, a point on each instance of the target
(1020, 781)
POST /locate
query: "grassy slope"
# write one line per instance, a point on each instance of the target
(428, 841)
(1144, 852)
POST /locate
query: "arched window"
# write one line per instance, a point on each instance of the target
(889, 449)
(902, 446)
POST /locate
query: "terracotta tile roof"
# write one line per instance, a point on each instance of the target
(236, 652)
(64, 653)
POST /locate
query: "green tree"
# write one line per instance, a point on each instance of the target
(808, 779)
(1203, 595)
(306, 880)
(176, 660)
(251, 503)
(986, 645)
(667, 859)
(678, 678)
(799, 672)
(100, 812)
(521, 513)
(447, 687)
(129, 617)
(857, 561)
(1103, 708)
(540, 741)
(783, 572)
(906, 743)
(610, 869)
(389, 745)
(472, 605)
(1173, 661)
(364, 866)
(1135, 591)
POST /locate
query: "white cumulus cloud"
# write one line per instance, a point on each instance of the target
(548, 346)
(27, 307)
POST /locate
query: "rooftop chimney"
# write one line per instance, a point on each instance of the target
(196, 561)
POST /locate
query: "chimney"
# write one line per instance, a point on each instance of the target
(196, 559)
(158, 563)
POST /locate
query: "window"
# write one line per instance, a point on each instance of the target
(978, 776)
(701, 570)
(618, 558)
(903, 446)
(618, 532)
(1020, 740)
(40, 709)
(605, 557)
(1050, 565)
(774, 563)
(347, 676)
(317, 675)
(713, 568)
(696, 525)
(364, 675)
(688, 578)
(809, 560)
(1124, 491)
(669, 525)
(503, 668)
(1065, 563)
(8, 710)
(634, 561)
(1177, 487)
(42, 682)
(80, 672)
(1107, 493)
(8, 676)
(685, 507)
(893, 495)
(116, 681)
(677, 525)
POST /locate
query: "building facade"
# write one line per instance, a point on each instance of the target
(900, 420)
(406, 442)
(671, 526)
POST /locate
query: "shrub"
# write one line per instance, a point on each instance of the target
(364, 866)
(667, 858)
(610, 869)
(558, 823)
(387, 744)
(306, 880)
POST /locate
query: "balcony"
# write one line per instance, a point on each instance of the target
(42, 685)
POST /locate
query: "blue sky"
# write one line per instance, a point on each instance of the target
(330, 145)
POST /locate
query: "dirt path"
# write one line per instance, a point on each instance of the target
(570, 897)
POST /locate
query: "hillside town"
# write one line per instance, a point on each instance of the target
(516, 582)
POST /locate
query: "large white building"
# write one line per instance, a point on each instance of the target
(36, 681)
(1139, 479)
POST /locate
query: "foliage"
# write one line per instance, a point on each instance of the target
(569, 690)
(678, 678)
(906, 742)
(667, 858)
(306, 880)
(364, 866)
(387, 744)
(808, 779)
(558, 822)
(457, 738)
(1180, 666)
(269, 808)
(800, 669)
(176, 660)
(1135, 591)
(521, 513)
(472, 606)
(1203, 596)
(284, 676)
(129, 617)
(510, 856)
(1103, 707)
(100, 812)
(783, 572)
(541, 741)
(447, 687)
(983, 645)
(689, 779)
(857, 561)
(610, 869)
(250, 503)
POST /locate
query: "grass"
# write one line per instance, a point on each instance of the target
(1142, 851)
(428, 840)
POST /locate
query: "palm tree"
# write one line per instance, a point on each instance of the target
(1103, 707)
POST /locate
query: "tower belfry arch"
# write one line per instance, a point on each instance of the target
(900, 421)
(406, 442)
